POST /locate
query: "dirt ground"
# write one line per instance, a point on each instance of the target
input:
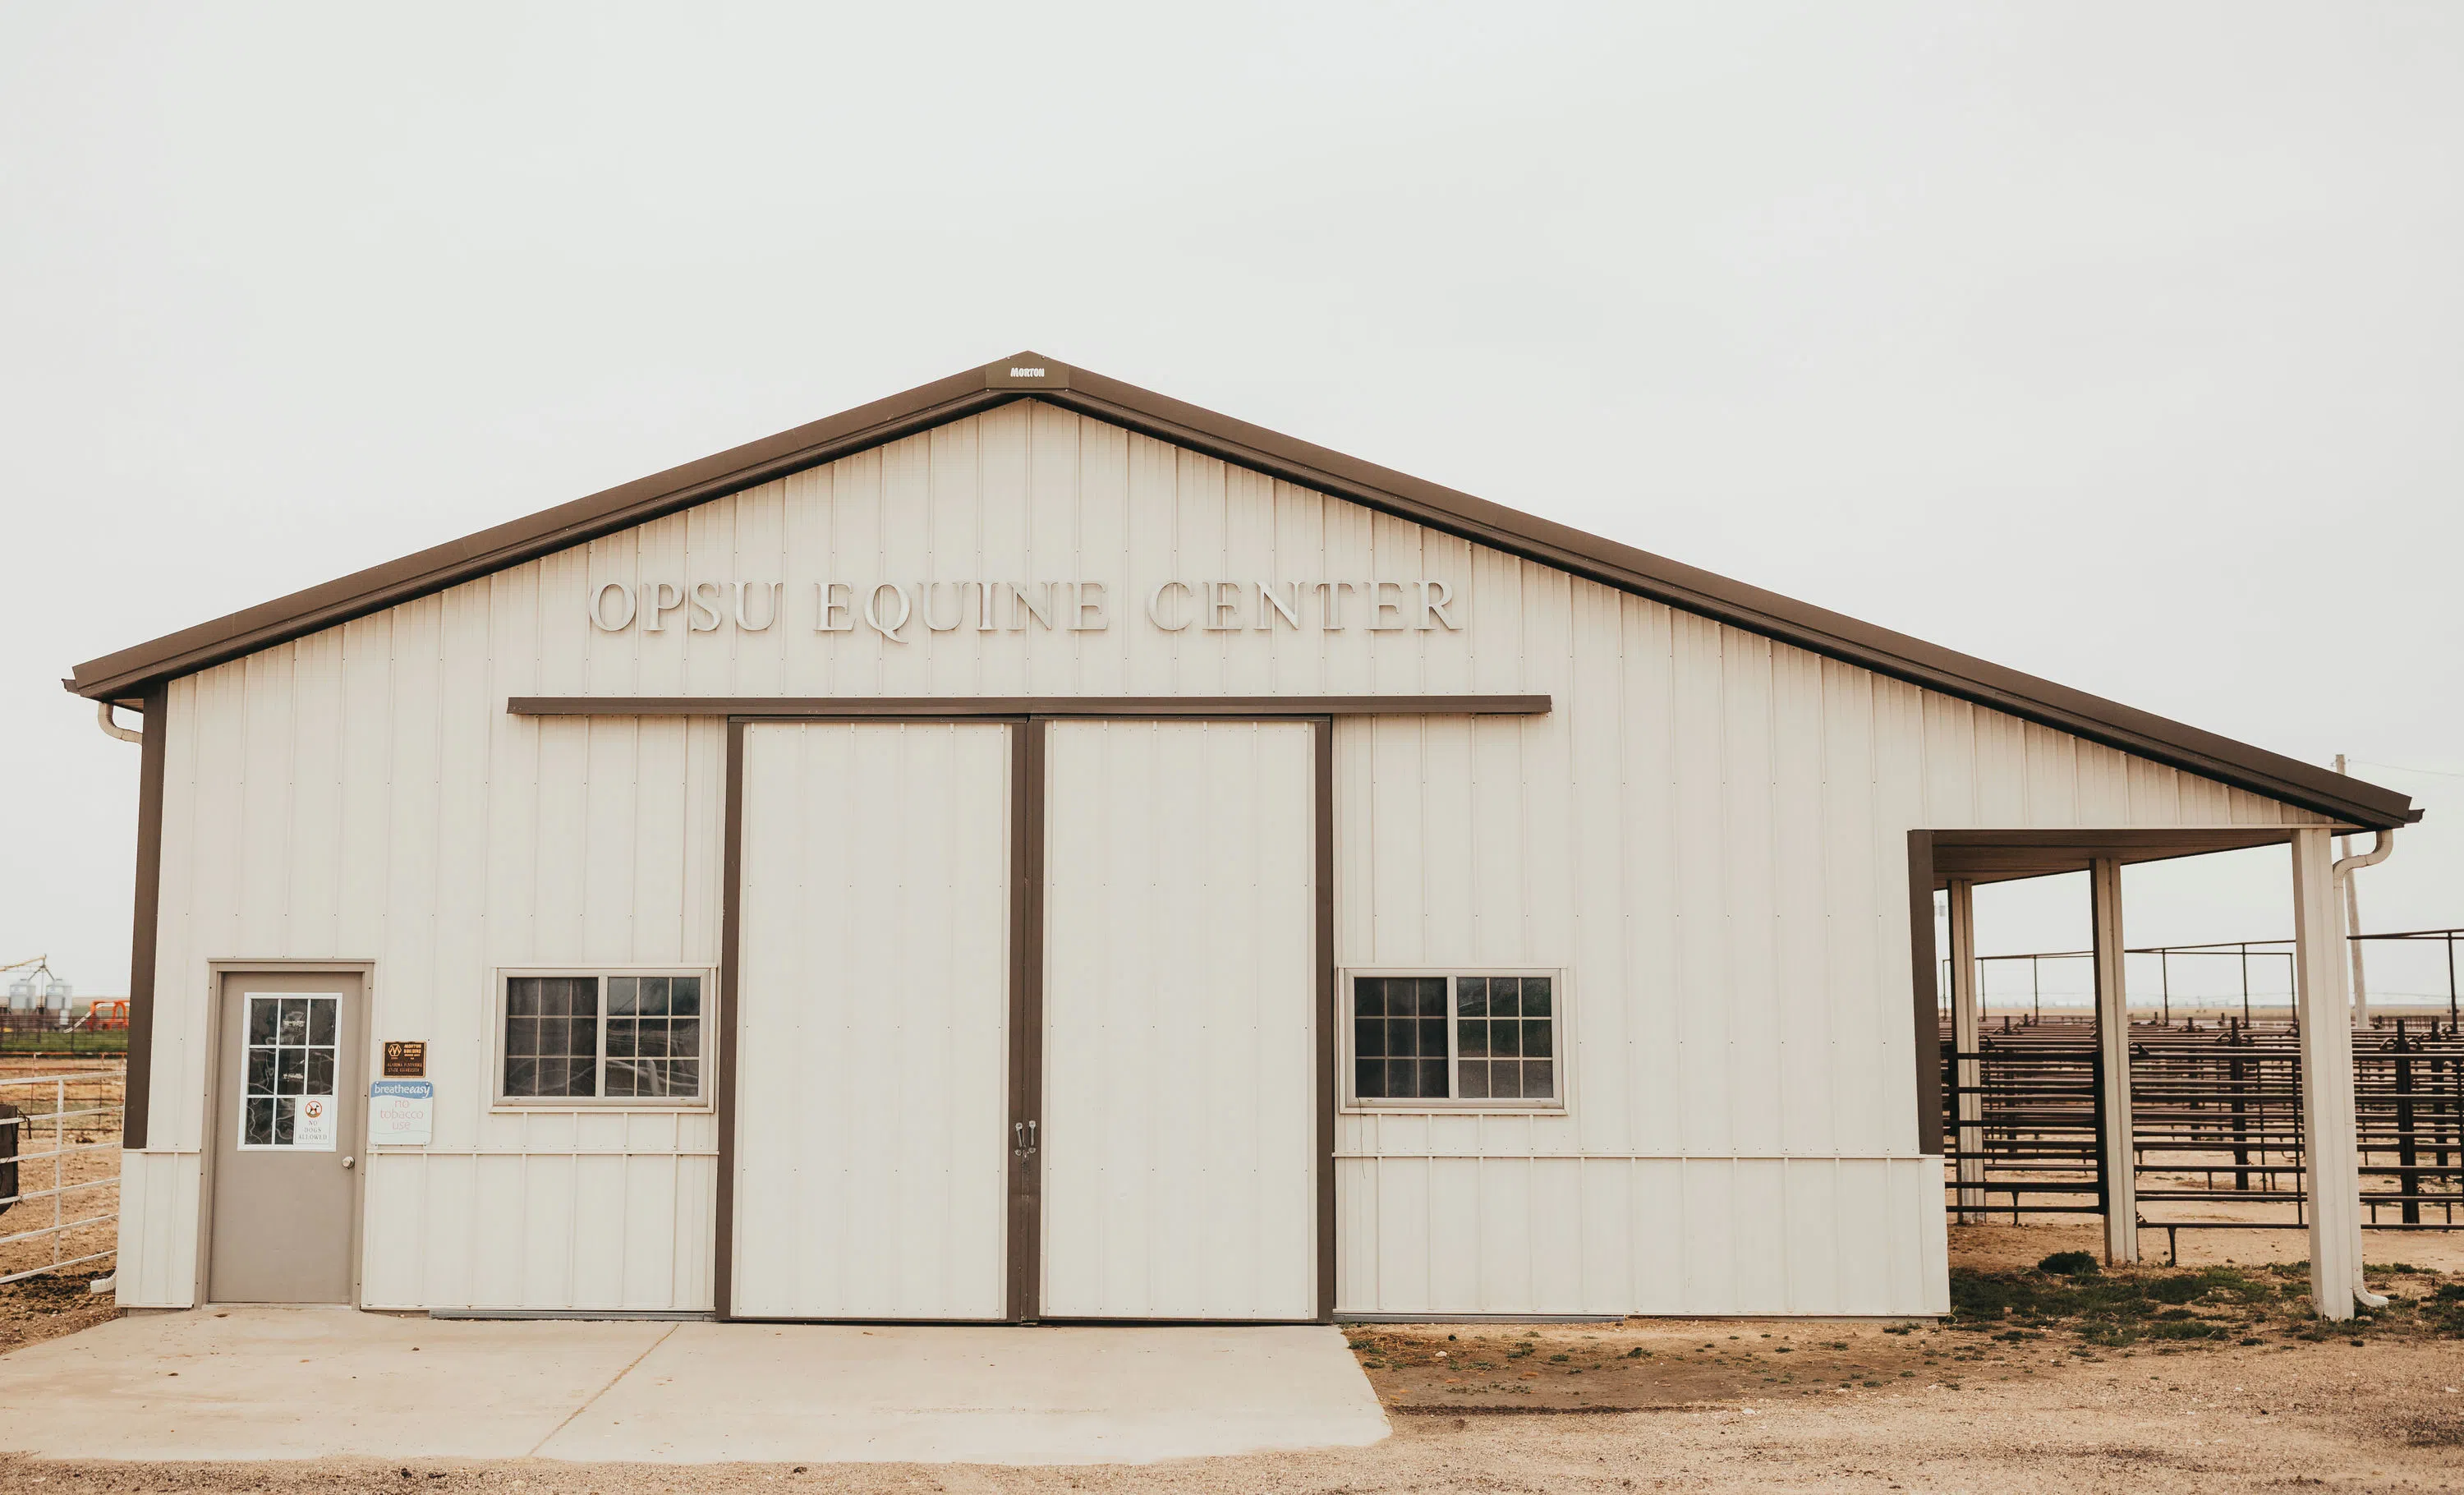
(47, 1307)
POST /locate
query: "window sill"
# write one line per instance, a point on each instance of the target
(578, 1106)
(1434, 1107)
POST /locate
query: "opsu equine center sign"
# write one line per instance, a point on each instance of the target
(1217, 607)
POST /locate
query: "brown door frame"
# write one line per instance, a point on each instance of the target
(1025, 1017)
(1028, 827)
(217, 972)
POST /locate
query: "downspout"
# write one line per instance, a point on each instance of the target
(102, 713)
(2343, 869)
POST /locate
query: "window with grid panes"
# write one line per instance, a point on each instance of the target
(603, 1037)
(291, 1059)
(1457, 1037)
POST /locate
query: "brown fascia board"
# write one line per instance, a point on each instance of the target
(1030, 375)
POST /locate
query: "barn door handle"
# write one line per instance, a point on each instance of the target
(1022, 1133)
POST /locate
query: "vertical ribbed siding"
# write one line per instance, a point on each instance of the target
(359, 795)
(872, 1117)
(1179, 1137)
(1707, 833)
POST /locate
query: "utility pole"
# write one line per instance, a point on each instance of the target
(2353, 926)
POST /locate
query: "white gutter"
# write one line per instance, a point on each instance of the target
(2379, 852)
(102, 713)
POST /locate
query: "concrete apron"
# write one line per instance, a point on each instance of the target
(234, 1383)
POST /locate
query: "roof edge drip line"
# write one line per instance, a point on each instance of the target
(465, 560)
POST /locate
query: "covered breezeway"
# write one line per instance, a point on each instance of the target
(1953, 863)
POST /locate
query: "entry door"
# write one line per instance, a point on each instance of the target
(287, 1138)
(872, 1130)
(1179, 1111)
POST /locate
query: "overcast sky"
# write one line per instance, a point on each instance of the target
(2123, 344)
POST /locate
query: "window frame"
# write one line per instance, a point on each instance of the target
(1353, 1103)
(505, 975)
(246, 1095)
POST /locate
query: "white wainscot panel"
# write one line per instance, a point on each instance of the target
(156, 1268)
(1640, 1235)
(585, 1230)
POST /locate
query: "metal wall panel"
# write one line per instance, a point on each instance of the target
(1179, 1122)
(359, 795)
(158, 1262)
(1708, 833)
(871, 1114)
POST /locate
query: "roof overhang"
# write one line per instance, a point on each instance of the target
(125, 674)
(1998, 856)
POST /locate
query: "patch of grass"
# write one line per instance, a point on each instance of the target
(2177, 1305)
(2108, 1310)
(111, 1041)
(2069, 1263)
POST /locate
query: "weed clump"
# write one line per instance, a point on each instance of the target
(2068, 1263)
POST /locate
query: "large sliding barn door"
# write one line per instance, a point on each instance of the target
(1179, 1109)
(871, 1133)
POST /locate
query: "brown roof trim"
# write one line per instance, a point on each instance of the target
(509, 544)
(1988, 856)
(1818, 630)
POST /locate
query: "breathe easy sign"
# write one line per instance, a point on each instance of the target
(902, 611)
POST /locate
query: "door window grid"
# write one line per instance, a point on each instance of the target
(1483, 1038)
(290, 1044)
(561, 1041)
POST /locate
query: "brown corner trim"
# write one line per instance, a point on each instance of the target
(135, 1115)
(729, 964)
(927, 707)
(1322, 735)
(1926, 998)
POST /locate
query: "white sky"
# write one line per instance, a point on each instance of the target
(2123, 344)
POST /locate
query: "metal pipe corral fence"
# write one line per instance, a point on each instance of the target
(48, 1125)
(2216, 1121)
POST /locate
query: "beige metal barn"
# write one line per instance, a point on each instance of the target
(1031, 849)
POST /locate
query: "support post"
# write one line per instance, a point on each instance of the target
(1967, 1031)
(2327, 1137)
(2113, 1050)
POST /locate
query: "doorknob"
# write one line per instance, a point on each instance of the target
(348, 1161)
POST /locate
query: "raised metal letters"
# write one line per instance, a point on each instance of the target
(1217, 605)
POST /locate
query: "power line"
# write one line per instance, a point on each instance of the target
(2407, 768)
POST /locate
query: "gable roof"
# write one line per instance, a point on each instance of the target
(126, 673)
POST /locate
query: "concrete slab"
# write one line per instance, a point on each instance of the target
(245, 1383)
(301, 1383)
(1058, 1395)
